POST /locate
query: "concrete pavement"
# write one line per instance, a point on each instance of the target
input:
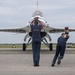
(21, 63)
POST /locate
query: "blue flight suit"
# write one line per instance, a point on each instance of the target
(60, 48)
(36, 42)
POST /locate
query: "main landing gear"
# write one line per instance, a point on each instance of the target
(51, 46)
(24, 46)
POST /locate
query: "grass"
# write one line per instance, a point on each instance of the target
(10, 46)
(19, 46)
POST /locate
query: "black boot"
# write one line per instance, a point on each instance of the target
(52, 64)
(59, 61)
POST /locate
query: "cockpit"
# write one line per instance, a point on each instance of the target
(37, 13)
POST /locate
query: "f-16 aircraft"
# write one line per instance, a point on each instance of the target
(45, 32)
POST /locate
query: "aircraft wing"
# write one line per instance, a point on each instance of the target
(56, 30)
(17, 30)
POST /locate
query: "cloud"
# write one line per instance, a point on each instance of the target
(16, 13)
(6, 10)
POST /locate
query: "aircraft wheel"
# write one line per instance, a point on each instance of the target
(50, 46)
(24, 46)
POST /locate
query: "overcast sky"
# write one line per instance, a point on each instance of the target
(16, 14)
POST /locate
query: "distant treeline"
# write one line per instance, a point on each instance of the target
(22, 43)
(10, 44)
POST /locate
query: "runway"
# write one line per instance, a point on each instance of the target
(29, 51)
(17, 62)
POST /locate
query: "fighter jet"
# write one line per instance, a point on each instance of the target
(45, 32)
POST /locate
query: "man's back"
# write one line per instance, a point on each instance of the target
(62, 40)
(36, 30)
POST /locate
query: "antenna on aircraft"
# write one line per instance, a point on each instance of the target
(37, 12)
(37, 5)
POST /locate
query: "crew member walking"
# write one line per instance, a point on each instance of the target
(60, 48)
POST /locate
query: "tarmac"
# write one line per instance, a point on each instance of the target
(14, 61)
